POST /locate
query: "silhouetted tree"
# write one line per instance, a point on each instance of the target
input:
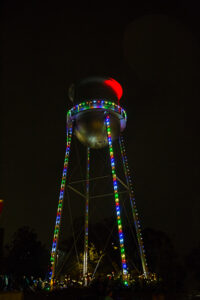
(26, 255)
(103, 239)
(161, 255)
(162, 259)
(1, 249)
(192, 263)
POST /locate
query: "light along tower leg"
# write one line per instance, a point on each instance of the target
(134, 209)
(85, 257)
(60, 205)
(117, 205)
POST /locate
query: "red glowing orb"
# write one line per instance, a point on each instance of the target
(115, 86)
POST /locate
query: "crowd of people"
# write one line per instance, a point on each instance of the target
(106, 287)
(24, 283)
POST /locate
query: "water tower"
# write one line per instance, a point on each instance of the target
(96, 120)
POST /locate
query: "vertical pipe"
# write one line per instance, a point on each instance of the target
(85, 257)
(117, 205)
(134, 209)
(60, 206)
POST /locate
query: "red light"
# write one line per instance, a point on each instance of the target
(1, 205)
(115, 86)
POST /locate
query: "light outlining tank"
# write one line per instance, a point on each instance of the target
(96, 119)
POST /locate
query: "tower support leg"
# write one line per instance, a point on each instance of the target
(117, 205)
(134, 209)
(85, 256)
(60, 206)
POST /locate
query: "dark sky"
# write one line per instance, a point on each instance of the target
(154, 52)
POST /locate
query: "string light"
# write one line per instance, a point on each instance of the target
(60, 205)
(112, 107)
(97, 104)
(85, 258)
(117, 205)
(134, 209)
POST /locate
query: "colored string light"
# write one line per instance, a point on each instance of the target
(117, 205)
(60, 204)
(85, 258)
(97, 104)
(133, 206)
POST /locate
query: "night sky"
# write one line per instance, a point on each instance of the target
(153, 51)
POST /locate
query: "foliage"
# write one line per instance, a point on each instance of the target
(102, 247)
(192, 264)
(162, 259)
(26, 255)
(160, 252)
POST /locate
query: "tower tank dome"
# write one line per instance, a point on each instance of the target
(93, 98)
